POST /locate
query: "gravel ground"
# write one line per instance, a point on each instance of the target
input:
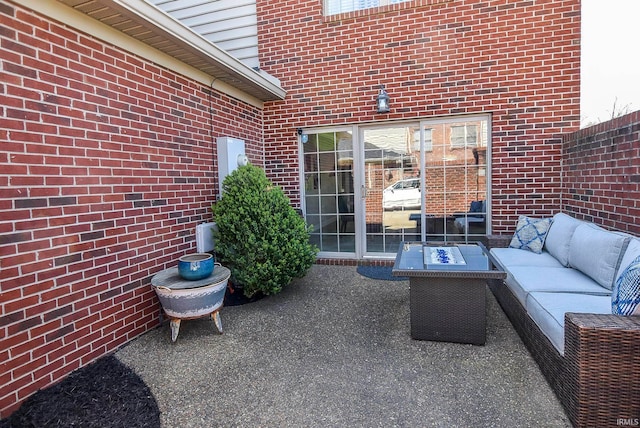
(333, 349)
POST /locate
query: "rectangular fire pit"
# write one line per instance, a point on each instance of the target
(447, 289)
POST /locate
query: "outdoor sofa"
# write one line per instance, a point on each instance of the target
(560, 302)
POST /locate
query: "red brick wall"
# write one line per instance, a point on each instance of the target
(602, 173)
(518, 60)
(106, 166)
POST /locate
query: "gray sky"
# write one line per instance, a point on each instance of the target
(610, 58)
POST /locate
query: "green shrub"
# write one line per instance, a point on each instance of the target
(260, 237)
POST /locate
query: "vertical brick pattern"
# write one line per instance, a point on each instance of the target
(106, 167)
(602, 173)
(518, 60)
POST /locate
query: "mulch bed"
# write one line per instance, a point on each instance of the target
(104, 394)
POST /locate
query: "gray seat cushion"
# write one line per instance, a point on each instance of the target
(523, 280)
(518, 257)
(547, 311)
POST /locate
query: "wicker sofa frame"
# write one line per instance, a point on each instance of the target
(598, 378)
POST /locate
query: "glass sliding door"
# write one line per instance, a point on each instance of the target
(368, 188)
(329, 197)
(391, 187)
(455, 167)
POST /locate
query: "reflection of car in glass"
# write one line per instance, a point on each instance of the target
(402, 194)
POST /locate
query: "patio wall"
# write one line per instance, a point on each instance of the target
(518, 60)
(602, 173)
(106, 167)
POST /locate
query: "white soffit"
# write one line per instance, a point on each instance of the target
(231, 24)
(155, 28)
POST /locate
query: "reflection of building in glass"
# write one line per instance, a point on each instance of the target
(456, 166)
(392, 197)
(455, 163)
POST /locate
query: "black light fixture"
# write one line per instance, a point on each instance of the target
(382, 101)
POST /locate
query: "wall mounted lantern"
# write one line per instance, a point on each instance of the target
(382, 101)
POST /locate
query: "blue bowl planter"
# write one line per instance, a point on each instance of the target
(193, 267)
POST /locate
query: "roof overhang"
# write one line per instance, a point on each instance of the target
(148, 24)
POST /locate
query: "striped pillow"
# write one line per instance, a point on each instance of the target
(625, 298)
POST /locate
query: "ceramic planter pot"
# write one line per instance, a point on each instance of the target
(193, 267)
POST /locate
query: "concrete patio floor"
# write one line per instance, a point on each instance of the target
(333, 349)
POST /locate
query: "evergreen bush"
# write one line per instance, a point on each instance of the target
(260, 237)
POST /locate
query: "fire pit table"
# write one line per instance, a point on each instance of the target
(447, 289)
(184, 299)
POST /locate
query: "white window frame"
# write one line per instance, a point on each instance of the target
(334, 7)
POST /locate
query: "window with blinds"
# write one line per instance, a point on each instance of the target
(333, 7)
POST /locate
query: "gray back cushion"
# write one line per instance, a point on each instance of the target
(632, 251)
(559, 237)
(597, 253)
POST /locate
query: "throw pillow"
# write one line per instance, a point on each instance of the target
(625, 298)
(530, 233)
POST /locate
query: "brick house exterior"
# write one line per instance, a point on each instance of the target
(107, 164)
(107, 160)
(517, 60)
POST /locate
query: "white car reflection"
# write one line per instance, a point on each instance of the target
(402, 194)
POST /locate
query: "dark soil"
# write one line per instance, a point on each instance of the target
(104, 394)
(234, 296)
